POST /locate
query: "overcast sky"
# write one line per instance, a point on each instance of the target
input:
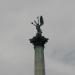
(16, 52)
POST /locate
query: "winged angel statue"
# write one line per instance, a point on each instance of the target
(38, 24)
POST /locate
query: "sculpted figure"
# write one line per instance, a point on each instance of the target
(38, 24)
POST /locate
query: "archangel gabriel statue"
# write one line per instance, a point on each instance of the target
(38, 24)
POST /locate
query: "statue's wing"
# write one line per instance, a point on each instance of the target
(41, 20)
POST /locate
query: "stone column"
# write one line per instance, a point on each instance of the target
(39, 61)
(38, 41)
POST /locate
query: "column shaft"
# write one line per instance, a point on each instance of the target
(39, 61)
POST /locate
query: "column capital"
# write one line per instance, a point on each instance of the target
(38, 40)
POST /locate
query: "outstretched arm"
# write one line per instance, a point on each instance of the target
(33, 23)
(36, 22)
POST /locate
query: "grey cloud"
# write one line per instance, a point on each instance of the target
(17, 54)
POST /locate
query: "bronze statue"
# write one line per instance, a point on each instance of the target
(38, 24)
